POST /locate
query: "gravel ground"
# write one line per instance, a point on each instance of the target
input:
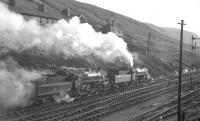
(126, 114)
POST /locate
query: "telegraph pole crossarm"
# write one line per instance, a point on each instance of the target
(180, 71)
(194, 38)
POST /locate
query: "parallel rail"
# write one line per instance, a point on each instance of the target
(92, 109)
(166, 110)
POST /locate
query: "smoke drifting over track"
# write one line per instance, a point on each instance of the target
(15, 84)
(71, 39)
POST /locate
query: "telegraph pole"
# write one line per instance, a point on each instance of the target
(180, 71)
(148, 42)
(194, 46)
(192, 43)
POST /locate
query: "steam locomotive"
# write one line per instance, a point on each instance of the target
(69, 87)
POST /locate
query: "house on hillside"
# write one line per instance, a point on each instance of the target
(112, 27)
(31, 9)
(68, 14)
(41, 11)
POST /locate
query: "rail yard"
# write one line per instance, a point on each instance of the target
(65, 60)
(100, 107)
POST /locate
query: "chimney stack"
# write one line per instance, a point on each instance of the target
(42, 7)
(11, 2)
(113, 23)
(66, 12)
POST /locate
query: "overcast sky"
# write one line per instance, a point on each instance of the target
(163, 13)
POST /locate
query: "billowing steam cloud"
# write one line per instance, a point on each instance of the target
(72, 38)
(16, 87)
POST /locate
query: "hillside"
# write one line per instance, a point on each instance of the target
(164, 47)
(175, 33)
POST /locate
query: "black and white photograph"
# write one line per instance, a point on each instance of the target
(99, 60)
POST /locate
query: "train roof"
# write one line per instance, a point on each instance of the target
(51, 79)
(57, 88)
(124, 75)
(31, 8)
(54, 84)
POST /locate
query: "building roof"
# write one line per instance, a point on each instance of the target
(35, 12)
(82, 18)
(31, 8)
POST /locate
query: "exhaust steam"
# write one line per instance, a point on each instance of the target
(72, 39)
(16, 87)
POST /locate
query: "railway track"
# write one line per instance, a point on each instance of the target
(88, 103)
(195, 117)
(172, 116)
(165, 111)
(92, 108)
(186, 106)
(120, 105)
(102, 108)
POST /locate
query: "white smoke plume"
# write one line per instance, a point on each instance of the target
(72, 38)
(62, 98)
(16, 87)
(141, 69)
